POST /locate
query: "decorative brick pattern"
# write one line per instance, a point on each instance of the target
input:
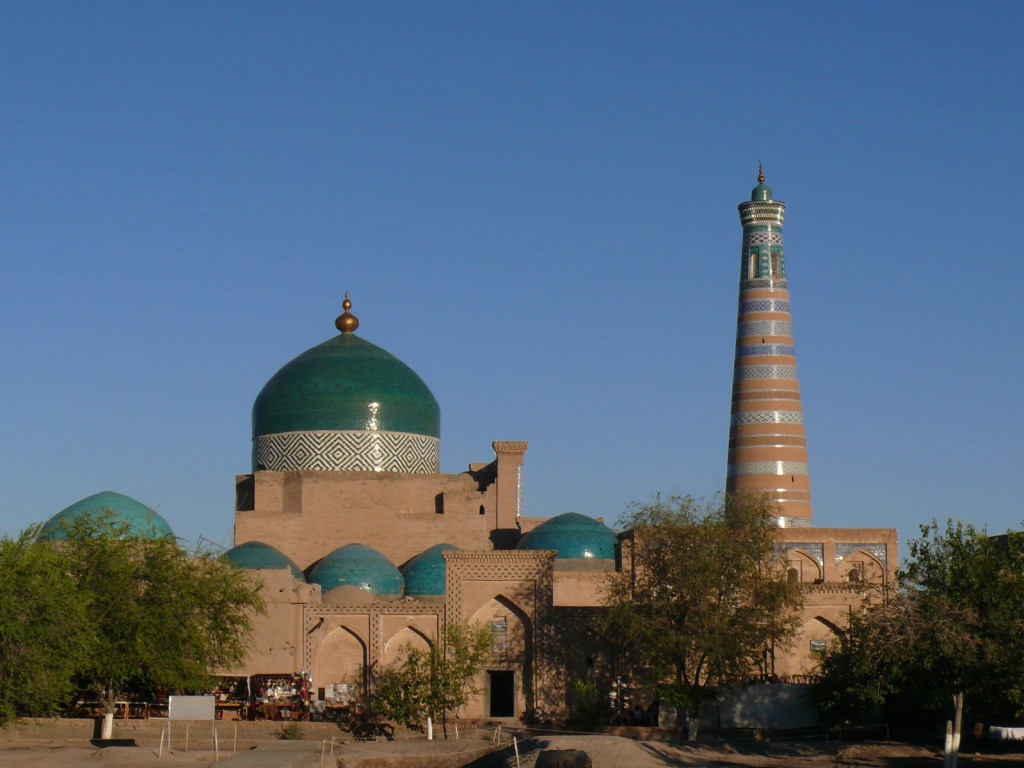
(361, 450)
(532, 574)
(766, 350)
(767, 468)
(744, 372)
(767, 417)
(764, 305)
(761, 237)
(764, 328)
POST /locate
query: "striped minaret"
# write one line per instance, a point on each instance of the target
(767, 442)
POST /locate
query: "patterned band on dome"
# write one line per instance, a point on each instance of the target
(359, 450)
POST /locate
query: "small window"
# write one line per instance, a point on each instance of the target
(752, 271)
(793, 576)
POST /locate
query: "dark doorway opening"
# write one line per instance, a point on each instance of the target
(503, 694)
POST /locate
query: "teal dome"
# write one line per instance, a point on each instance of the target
(761, 193)
(139, 521)
(257, 556)
(425, 574)
(356, 565)
(333, 385)
(574, 537)
(346, 404)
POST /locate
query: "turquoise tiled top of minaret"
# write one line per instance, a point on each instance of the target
(767, 439)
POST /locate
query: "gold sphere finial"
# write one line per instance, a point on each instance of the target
(346, 321)
(760, 174)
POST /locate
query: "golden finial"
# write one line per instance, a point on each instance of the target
(760, 174)
(346, 322)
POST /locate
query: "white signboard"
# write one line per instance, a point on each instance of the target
(191, 708)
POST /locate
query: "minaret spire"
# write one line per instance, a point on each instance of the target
(767, 441)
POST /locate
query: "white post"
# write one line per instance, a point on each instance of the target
(186, 736)
(515, 746)
(323, 748)
(430, 729)
(216, 745)
(161, 752)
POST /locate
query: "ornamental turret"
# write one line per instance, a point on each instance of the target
(767, 441)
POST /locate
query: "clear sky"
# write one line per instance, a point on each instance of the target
(534, 206)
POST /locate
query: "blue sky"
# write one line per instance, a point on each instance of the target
(534, 206)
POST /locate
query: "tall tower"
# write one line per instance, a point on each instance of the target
(767, 441)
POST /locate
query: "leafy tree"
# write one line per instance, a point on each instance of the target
(157, 617)
(951, 636)
(433, 683)
(703, 593)
(43, 628)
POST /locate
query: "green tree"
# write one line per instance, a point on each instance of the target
(951, 636)
(158, 617)
(433, 683)
(702, 594)
(43, 628)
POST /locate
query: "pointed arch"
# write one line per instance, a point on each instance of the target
(861, 567)
(806, 566)
(836, 630)
(395, 649)
(341, 660)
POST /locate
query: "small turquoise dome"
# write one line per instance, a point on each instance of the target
(257, 556)
(140, 521)
(356, 565)
(426, 573)
(574, 537)
(762, 192)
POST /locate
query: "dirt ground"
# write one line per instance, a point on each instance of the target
(66, 744)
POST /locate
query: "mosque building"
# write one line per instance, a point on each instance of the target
(366, 549)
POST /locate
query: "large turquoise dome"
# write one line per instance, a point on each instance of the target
(426, 574)
(356, 565)
(574, 537)
(138, 520)
(257, 556)
(346, 404)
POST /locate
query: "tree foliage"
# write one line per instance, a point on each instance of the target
(704, 593)
(110, 613)
(436, 682)
(43, 629)
(954, 626)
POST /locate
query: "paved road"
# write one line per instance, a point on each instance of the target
(279, 754)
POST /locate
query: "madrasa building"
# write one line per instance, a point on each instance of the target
(366, 549)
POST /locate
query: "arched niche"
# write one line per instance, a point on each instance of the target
(398, 646)
(803, 565)
(861, 567)
(341, 660)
